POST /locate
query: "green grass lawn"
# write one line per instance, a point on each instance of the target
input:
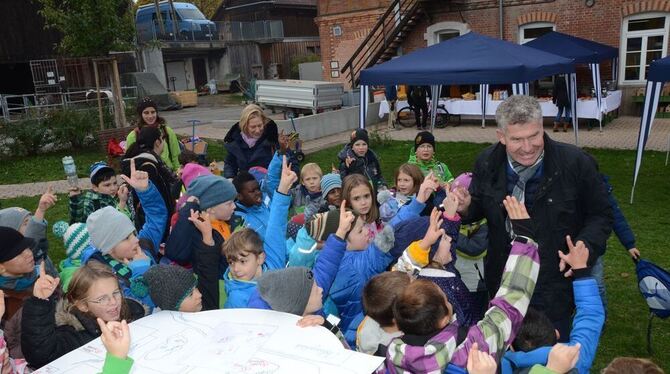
(625, 331)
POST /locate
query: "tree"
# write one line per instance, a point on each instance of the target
(91, 27)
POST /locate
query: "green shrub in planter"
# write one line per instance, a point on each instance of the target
(74, 128)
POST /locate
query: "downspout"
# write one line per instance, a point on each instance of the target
(500, 19)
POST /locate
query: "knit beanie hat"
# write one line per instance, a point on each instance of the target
(287, 290)
(463, 180)
(212, 190)
(192, 171)
(359, 134)
(14, 243)
(108, 227)
(330, 181)
(422, 138)
(144, 104)
(75, 237)
(169, 285)
(98, 167)
(13, 217)
(323, 224)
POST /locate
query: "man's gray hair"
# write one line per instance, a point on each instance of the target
(518, 109)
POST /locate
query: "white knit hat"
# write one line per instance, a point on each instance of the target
(75, 237)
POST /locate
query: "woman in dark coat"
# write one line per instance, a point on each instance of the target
(562, 101)
(250, 142)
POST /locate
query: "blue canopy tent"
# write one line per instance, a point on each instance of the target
(468, 59)
(581, 51)
(659, 73)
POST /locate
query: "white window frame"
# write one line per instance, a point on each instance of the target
(645, 36)
(432, 35)
(533, 25)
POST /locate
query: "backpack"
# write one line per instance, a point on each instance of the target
(654, 285)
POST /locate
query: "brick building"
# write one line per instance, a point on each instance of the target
(380, 29)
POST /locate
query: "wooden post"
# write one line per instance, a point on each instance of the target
(119, 111)
(97, 89)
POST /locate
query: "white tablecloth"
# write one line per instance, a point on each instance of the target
(585, 108)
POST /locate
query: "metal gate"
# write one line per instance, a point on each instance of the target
(46, 77)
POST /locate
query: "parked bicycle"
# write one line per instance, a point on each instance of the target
(405, 116)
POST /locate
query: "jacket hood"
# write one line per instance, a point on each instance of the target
(233, 284)
(67, 315)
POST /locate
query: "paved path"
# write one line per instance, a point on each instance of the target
(620, 134)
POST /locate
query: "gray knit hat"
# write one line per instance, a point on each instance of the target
(13, 217)
(287, 290)
(108, 227)
(212, 190)
(169, 285)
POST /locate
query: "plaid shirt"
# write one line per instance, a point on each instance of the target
(87, 202)
(493, 334)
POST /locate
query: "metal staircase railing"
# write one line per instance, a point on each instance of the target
(384, 39)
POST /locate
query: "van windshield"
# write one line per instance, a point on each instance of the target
(191, 14)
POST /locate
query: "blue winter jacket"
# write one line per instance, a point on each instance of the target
(355, 271)
(239, 291)
(324, 270)
(586, 328)
(155, 217)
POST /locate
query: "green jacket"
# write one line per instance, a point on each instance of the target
(171, 151)
(115, 365)
(439, 169)
(88, 201)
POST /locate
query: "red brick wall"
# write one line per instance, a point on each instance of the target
(601, 23)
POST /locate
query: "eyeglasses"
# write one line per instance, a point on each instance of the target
(425, 146)
(107, 299)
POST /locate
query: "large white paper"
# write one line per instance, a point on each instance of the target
(246, 341)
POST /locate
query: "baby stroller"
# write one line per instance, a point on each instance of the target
(654, 284)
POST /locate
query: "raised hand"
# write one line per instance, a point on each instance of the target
(464, 199)
(45, 285)
(563, 358)
(434, 231)
(122, 193)
(347, 219)
(310, 320)
(115, 337)
(481, 362)
(450, 204)
(577, 256)
(348, 161)
(429, 185)
(288, 177)
(515, 209)
(283, 142)
(203, 223)
(443, 253)
(47, 200)
(139, 180)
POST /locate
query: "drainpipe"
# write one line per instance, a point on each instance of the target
(500, 19)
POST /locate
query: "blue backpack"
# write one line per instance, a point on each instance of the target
(654, 284)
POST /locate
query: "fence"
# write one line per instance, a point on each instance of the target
(38, 105)
(210, 31)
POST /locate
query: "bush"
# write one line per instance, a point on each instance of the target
(74, 128)
(25, 136)
(296, 61)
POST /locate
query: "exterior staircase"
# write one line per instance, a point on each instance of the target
(385, 38)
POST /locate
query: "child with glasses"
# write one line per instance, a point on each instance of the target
(52, 327)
